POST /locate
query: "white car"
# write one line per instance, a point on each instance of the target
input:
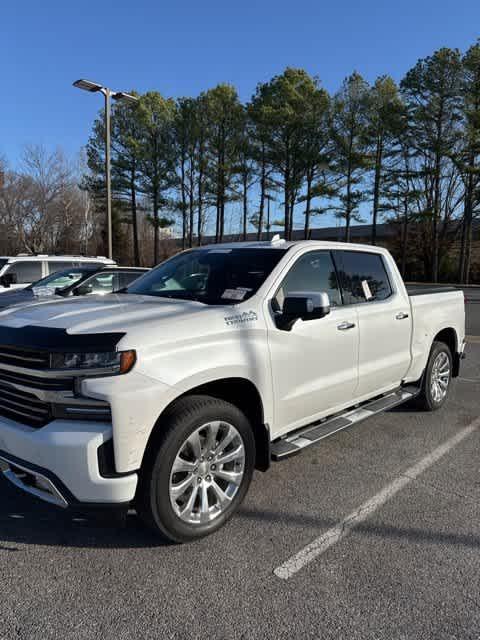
(213, 364)
(17, 272)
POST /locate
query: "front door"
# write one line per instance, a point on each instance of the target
(315, 364)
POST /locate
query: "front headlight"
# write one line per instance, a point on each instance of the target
(113, 361)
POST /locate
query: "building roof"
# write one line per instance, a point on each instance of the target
(358, 232)
(334, 234)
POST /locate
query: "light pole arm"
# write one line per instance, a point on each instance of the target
(94, 87)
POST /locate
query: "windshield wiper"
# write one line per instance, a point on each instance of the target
(180, 295)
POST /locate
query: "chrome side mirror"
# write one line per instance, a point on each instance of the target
(303, 305)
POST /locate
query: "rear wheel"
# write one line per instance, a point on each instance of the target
(437, 379)
(199, 470)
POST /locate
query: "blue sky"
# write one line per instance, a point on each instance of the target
(181, 48)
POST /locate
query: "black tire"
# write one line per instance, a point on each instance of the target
(426, 400)
(153, 502)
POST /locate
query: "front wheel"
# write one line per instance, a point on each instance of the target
(199, 470)
(437, 379)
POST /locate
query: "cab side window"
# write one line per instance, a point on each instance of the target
(314, 271)
(126, 279)
(363, 276)
(26, 272)
(102, 283)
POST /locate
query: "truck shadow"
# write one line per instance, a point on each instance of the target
(407, 534)
(26, 522)
(23, 520)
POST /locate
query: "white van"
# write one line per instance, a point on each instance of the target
(17, 272)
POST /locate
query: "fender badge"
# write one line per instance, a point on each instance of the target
(241, 318)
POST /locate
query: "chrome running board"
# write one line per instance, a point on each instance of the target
(306, 436)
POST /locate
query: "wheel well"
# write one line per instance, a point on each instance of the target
(245, 396)
(449, 337)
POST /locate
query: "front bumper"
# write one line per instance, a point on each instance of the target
(59, 463)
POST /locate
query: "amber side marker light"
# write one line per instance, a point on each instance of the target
(127, 360)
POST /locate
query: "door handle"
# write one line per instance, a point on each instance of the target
(401, 316)
(344, 326)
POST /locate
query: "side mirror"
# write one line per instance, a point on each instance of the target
(303, 305)
(83, 290)
(8, 279)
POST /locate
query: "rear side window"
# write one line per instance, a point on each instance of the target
(314, 271)
(26, 272)
(57, 265)
(363, 276)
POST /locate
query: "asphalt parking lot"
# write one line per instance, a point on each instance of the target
(374, 533)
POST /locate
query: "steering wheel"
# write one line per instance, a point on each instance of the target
(195, 281)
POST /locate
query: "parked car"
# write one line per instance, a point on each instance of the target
(77, 281)
(216, 362)
(17, 272)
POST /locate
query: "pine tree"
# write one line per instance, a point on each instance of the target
(431, 92)
(384, 117)
(468, 160)
(349, 124)
(282, 110)
(223, 114)
(245, 166)
(126, 133)
(157, 156)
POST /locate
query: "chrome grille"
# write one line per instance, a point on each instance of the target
(34, 394)
(39, 382)
(24, 407)
(32, 359)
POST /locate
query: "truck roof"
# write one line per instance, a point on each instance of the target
(279, 243)
(45, 256)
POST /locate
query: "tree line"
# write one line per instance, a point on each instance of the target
(406, 153)
(42, 208)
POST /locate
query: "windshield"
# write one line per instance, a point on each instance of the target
(212, 276)
(61, 279)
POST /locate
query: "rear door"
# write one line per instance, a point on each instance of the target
(314, 365)
(384, 320)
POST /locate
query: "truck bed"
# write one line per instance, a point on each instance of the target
(433, 310)
(427, 289)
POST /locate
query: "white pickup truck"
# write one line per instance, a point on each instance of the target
(223, 358)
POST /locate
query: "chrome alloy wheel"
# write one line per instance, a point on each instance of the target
(207, 472)
(440, 377)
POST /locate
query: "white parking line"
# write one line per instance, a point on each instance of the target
(343, 528)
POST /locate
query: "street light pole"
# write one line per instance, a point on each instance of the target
(94, 87)
(108, 177)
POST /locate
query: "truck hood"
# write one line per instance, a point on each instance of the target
(19, 296)
(115, 312)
